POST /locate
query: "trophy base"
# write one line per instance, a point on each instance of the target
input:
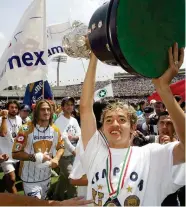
(98, 35)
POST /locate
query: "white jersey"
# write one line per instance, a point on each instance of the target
(31, 140)
(68, 127)
(147, 176)
(6, 143)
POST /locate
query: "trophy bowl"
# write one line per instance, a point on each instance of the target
(74, 43)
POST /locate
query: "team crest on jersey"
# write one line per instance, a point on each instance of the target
(18, 147)
(20, 139)
(62, 146)
(132, 200)
(25, 128)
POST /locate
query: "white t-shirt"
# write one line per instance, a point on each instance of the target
(6, 143)
(148, 179)
(68, 127)
(77, 169)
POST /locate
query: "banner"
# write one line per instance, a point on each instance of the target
(25, 59)
(177, 88)
(55, 33)
(34, 92)
(107, 91)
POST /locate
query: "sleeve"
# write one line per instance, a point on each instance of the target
(60, 141)
(95, 151)
(77, 169)
(20, 141)
(161, 166)
(0, 121)
(178, 174)
(78, 129)
(67, 143)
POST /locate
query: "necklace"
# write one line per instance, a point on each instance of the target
(45, 129)
(14, 134)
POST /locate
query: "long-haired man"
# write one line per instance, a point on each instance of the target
(36, 146)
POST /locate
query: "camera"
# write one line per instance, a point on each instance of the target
(141, 140)
(153, 120)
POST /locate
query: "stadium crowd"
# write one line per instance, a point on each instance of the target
(139, 86)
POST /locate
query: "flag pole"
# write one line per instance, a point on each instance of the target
(43, 90)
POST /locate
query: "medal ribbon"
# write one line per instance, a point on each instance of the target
(113, 194)
(13, 127)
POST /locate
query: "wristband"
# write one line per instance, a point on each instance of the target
(32, 158)
(39, 157)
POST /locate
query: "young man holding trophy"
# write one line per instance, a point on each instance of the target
(117, 173)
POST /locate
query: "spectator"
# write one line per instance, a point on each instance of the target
(9, 127)
(24, 113)
(142, 105)
(70, 130)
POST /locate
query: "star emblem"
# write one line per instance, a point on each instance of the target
(100, 187)
(129, 189)
(102, 93)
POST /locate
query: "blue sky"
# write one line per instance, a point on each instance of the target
(58, 11)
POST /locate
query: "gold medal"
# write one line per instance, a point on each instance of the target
(132, 201)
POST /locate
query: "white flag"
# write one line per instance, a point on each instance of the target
(107, 91)
(25, 59)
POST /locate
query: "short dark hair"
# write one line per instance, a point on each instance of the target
(164, 113)
(159, 102)
(66, 99)
(13, 102)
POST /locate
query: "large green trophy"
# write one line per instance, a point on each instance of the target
(136, 34)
